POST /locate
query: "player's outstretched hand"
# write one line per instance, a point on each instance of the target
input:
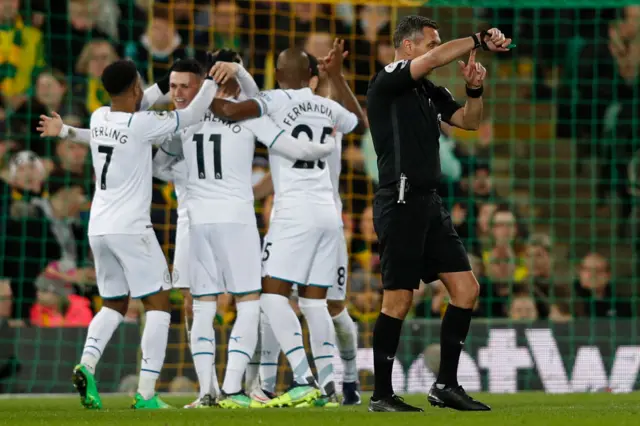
(496, 41)
(473, 72)
(50, 126)
(222, 72)
(332, 63)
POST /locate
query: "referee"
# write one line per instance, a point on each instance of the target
(417, 238)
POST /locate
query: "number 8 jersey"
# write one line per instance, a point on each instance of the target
(303, 115)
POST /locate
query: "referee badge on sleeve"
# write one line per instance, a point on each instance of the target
(394, 65)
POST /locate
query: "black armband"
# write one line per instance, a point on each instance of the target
(479, 42)
(208, 77)
(474, 93)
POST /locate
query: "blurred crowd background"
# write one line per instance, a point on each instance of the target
(543, 195)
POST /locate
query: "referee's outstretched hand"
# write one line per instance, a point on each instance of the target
(496, 41)
(473, 72)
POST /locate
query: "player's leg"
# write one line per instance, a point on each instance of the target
(446, 253)
(149, 280)
(237, 248)
(268, 359)
(287, 256)
(113, 289)
(346, 329)
(312, 300)
(205, 282)
(401, 230)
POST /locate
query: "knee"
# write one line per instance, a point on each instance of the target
(464, 292)
(335, 307)
(121, 306)
(307, 305)
(397, 303)
(157, 302)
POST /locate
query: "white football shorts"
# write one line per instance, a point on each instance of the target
(180, 272)
(129, 264)
(300, 254)
(225, 258)
(338, 291)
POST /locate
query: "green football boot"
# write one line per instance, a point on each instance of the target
(85, 384)
(297, 394)
(323, 401)
(238, 400)
(154, 403)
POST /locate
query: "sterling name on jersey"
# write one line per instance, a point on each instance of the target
(304, 116)
(219, 159)
(121, 153)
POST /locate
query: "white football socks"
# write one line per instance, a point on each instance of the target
(242, 344)
(203, 344)
(287, 330)
(154, 348)
(322, 339)
(347, 339)
(99, 333)
(251, 378)
(269, 355)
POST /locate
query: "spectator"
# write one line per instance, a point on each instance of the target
(24, 55)
(71, 162)
(318, 44)
(159, 47)
(56, 305)
(523, 308)
(44, 228)
(595, 291)
(50, 95)
(133, 20)
(483, 222)
(94, 58)
(365, 271)
(73, 25)
(549, 287)
(503, 232)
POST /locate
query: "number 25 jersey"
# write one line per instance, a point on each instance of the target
(304, 116)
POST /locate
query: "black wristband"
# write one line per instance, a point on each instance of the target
(474, 93)
(476, 41)
(208, 78)
(483, 43)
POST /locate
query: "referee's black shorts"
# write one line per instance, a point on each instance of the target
(417, 240)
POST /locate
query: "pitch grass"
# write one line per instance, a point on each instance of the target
(518, 409)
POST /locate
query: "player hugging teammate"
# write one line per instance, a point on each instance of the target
(209, 160)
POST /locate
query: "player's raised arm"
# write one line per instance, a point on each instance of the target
(223, 71)
(278, 142)
(54, 127)
(168, 154)
(236, 111)
(340, 90)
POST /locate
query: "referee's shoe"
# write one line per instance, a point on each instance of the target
(454, 397)
(392, 403)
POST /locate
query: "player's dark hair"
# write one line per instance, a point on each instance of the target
(409, 26)
(119, 76)
(226, 55)
(188, 65)
(313, 65)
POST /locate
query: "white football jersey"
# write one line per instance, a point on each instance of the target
(304, 115)
(335, 167)
(219, 159)
(122, 162)
(178, 172)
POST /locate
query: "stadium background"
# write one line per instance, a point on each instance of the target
(544, 194)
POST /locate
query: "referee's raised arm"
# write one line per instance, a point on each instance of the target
(417, 239)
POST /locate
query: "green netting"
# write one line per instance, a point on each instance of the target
(543, 195)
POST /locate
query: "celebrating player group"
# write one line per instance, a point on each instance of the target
(206, 148)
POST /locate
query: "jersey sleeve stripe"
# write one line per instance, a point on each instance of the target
(261, 105)
(288, 95)
(177, 121)
(276, 138)
(129, 123)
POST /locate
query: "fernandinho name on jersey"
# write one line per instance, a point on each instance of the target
(306, 106)
(108, 132)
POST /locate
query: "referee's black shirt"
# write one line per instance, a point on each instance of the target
(404, 119)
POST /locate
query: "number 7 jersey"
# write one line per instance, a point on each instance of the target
(304, 115)
(121, 153)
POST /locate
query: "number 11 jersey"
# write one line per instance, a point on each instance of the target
(219, 159)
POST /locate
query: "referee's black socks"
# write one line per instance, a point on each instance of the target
(386, 337)
(453, 332)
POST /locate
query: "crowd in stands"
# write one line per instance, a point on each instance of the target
(52, 60)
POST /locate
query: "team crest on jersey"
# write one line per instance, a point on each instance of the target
(175, 274)
(394, 65)
(265, 95)
(167, 276)
(163, 115)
